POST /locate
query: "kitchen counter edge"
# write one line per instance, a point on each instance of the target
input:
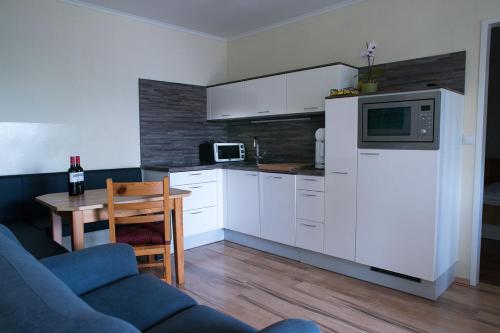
(245, 167)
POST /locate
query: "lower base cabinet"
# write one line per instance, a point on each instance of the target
(309, 235)
(201, 208)
(243, 202)
(198, 221)
(277, 203)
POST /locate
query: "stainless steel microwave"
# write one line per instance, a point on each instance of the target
(222, 152)
(400, 121)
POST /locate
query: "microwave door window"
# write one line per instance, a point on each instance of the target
(229, 152)
(389, 122)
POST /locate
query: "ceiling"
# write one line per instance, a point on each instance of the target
(226, 19)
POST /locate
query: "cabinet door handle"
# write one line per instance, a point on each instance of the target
(308, 225)
(309, 195)
(312, 108)
(370, 154)
(193, 187)
(225, 115)
(251, 174)
(275, 177)
(309, 179)
(261, 112)
(195, 213)
(339, 172)
(195, 174)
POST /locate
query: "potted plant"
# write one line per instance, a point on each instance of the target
(368, 81)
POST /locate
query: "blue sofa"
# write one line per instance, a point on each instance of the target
(99, 289)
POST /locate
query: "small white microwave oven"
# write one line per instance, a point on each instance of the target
(222, 152)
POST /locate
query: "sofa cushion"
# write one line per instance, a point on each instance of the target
(34, 300)
(78, 269)
(143, 300)
(201, 318)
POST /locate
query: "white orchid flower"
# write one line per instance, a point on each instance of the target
(372, 46)
(369, 53)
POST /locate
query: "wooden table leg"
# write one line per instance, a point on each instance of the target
(77, 233)
(178, 242)
(56, 227)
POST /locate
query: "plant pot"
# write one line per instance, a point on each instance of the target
(369, 87)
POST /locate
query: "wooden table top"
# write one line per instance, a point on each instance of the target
(95, 199)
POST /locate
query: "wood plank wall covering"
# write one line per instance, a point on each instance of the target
(173, 122)
(443, 71)
(291, 141)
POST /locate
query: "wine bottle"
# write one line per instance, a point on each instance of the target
(81, 177)
(72, 178)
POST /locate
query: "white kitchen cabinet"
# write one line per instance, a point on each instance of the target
(243, 202)
(311, 183)
(310, 206)
(341, 118)
(199, 221)
(267, 96)
(202, 195)
(306, 90)
(277, 204)
(201, 208)
(397, 237)
(309, 235)
(193, 177)
(296, 92)
(228, 101)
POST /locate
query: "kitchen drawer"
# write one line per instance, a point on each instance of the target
(202, 195)
(199, 221)
(192, 177)
(309, 236)
(311, 206)
(311, 183)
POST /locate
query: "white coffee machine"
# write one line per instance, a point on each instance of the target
(320, 149)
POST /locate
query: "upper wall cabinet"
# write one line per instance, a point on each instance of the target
(267, 96)
(228, 101)
(306, 90)
(297, 92)
(253, 98)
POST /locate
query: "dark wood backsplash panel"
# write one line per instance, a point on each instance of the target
(173, 122)
(442, 71)
(173, 117)
(290, 141)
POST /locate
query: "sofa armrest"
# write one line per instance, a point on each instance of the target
(94, 267)
(292, 326)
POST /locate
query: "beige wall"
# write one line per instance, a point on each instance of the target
(403, 29)
(69, 82)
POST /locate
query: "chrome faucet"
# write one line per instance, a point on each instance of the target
(258, 157)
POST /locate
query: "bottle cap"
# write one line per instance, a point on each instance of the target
(72, 160)
(77, 159)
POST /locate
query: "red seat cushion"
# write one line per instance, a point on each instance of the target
(140, 234)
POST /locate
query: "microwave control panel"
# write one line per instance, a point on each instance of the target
(426, 121)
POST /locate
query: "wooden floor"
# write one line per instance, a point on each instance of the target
(490, 261)
(261, 288)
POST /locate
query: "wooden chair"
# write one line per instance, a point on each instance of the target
(145, 225)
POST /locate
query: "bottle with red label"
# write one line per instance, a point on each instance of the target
(81, 178)
(72, 178)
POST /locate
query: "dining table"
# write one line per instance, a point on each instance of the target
(92, 207)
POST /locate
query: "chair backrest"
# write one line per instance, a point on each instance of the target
(35, 300)
(138, 202)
